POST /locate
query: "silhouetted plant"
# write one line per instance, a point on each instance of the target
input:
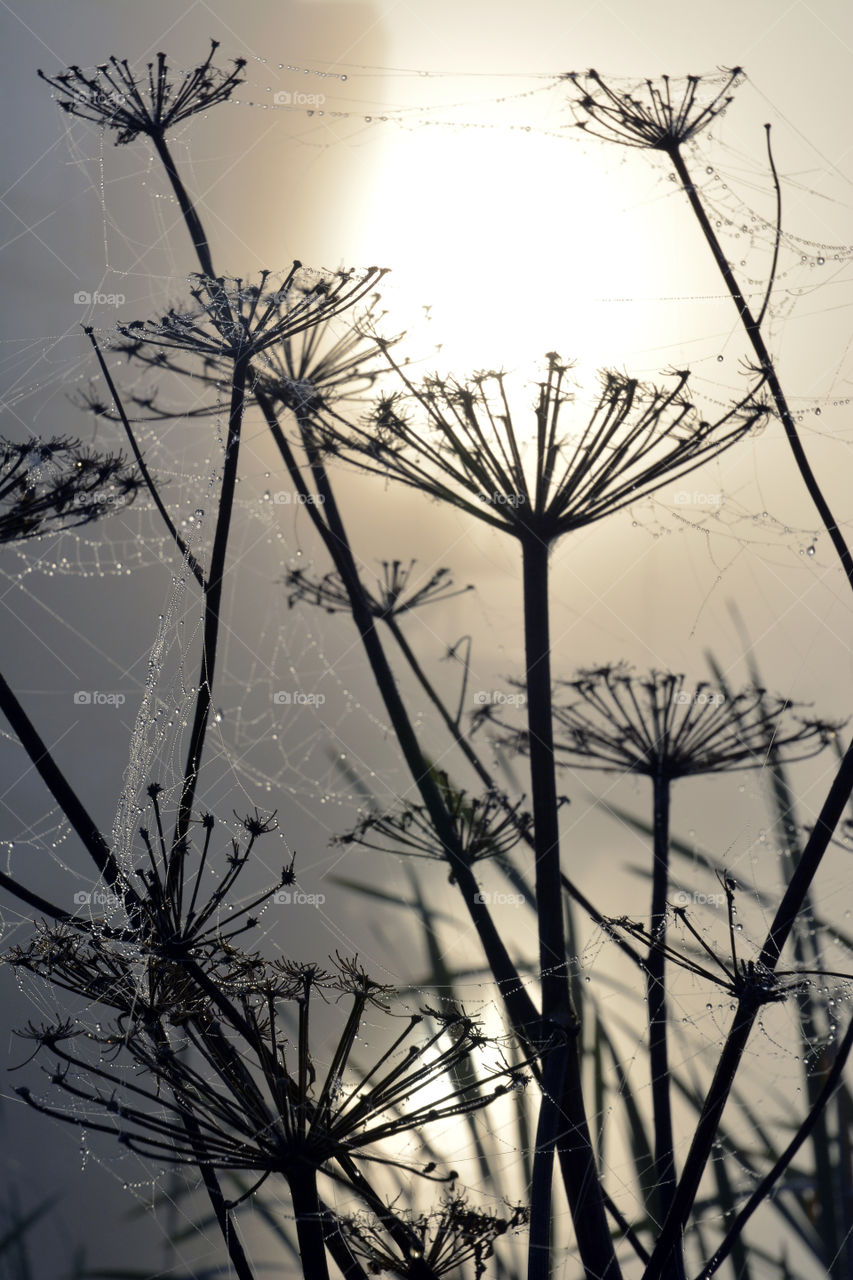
(47, 486)
(664, 122)
(208, 1058)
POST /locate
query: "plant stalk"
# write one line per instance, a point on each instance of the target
(213, 598)
(745, 1015)
(753, 332)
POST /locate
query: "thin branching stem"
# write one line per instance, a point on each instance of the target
(767, 1183)
(194, 566)
(656, 995)
(213, 599)
(187, 207)
(752, 329)
(747, 1011)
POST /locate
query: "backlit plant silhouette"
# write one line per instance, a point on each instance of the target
(207, 1054)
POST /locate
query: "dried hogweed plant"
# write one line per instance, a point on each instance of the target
(208, 1056)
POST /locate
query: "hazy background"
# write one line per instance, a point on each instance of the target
(445, 151)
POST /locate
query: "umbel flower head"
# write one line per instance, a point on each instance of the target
(310, 372)
(115, 97)
(238, 321)
(659, 117)
(47, 486)
(660, 726)
(258, 1101)
(486, 826)
(437, 1244)
(749, 981)
(394, 595)
(465, 448)
(135, 967)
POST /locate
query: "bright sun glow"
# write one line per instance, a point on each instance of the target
(514, 240)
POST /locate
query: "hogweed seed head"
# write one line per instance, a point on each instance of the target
(657, 116)
(459, 443)
(661, 726)
(131, 104)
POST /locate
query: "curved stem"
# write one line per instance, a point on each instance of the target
(753, 332)
(520, 1007)
(191, 218)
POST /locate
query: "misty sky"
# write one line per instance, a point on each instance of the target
(444, 151)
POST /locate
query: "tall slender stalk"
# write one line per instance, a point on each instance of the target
(767, 1183)
(213, 598)
(656, 995)
(744, 1019)
(543, 781)
(187, 207)
(752, 328)
(309, 1222)
(58, 786)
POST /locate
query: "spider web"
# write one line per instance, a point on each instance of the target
(325, 762)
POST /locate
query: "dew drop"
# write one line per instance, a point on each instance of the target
(810, 551)
(719, 359)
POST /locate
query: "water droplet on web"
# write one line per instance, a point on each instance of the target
(719, 359)
(810, 551)
(817, 413)
(198, 513)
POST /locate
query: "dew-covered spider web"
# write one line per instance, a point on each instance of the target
(297, 726)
